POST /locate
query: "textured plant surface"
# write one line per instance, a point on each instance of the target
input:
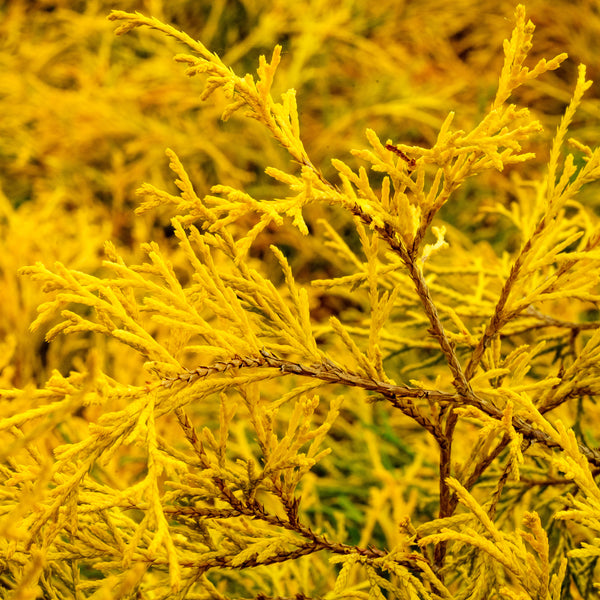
(300, 371)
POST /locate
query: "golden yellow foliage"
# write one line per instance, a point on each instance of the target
(373, 376)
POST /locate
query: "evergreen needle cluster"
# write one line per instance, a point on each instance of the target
(425, 439)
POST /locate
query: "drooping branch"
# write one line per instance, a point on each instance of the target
(402, 397)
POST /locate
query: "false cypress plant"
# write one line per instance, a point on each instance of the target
(416, 444)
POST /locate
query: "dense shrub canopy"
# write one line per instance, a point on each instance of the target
(342, 342)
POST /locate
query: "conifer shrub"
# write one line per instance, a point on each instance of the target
(337, 388)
